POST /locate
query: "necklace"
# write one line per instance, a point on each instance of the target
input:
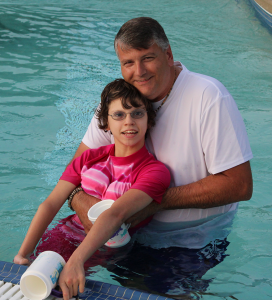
(165, 98)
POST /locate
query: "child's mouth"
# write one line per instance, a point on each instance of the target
(130, 133)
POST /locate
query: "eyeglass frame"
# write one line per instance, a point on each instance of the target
(125, 114)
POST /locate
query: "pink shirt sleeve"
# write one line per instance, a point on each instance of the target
(73, 171)
(153, 179)
(89, 157)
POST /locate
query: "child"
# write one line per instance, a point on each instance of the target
(124, 171)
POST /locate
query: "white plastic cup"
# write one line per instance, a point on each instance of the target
(121, 237)
(42, 275)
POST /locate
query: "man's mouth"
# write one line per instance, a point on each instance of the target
(143, 81)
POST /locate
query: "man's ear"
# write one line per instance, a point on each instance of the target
(169, 56)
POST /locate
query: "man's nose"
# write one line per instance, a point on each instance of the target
(140, 69)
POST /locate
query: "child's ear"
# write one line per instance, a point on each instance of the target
(107, 128)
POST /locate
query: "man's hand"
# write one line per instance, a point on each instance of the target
(81, 203)
(71, 278)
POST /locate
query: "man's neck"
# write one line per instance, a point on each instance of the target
(174, 75)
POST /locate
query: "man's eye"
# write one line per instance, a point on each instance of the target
(149, 58)
(127, 63)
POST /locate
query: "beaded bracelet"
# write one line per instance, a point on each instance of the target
(70, 198)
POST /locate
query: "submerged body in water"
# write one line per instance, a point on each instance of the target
(169, 270)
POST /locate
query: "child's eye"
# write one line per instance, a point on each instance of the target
(137, 114)
(118, 114)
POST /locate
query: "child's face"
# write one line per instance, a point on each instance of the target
(129, 133)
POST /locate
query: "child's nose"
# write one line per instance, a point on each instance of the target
(129, 119)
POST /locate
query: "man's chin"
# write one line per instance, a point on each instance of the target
(147, 91)
(149, 94)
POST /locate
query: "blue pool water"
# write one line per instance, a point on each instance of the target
(55, 58)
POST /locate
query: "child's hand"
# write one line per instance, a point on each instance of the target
(71, 278)
(21, 260)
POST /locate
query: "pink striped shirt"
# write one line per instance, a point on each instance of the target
(105, 176)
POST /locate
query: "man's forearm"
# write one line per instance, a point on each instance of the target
(230, 186)
(81, 203)
(224, 188)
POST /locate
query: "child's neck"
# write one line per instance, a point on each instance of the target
(123, 150)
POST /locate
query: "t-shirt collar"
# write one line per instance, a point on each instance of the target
(127, 159)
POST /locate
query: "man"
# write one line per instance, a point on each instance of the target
(199, 135)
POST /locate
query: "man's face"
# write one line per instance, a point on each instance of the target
(148, 70)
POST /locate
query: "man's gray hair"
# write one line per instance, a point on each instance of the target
(141, 33)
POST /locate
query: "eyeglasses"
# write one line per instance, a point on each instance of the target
(136, 114)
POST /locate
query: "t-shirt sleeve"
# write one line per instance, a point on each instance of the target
(153, 179)
(95, 137)
(223, 135)
(73, 171)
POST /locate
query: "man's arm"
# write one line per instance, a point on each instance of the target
(227, 187)
(81, 203)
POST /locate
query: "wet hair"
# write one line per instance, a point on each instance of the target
(141, 33)
(130, 97)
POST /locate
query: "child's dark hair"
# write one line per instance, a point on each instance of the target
(130, 97)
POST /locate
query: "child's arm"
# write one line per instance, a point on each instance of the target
(105, 226)
(43, 217)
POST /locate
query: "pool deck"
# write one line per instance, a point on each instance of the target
(94, 290)
(264, 11)
(266, 4)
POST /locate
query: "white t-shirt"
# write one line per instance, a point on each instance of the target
(199, 131)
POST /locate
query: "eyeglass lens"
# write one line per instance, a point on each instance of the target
(136, 114)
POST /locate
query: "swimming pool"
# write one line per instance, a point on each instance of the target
(54, 61)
